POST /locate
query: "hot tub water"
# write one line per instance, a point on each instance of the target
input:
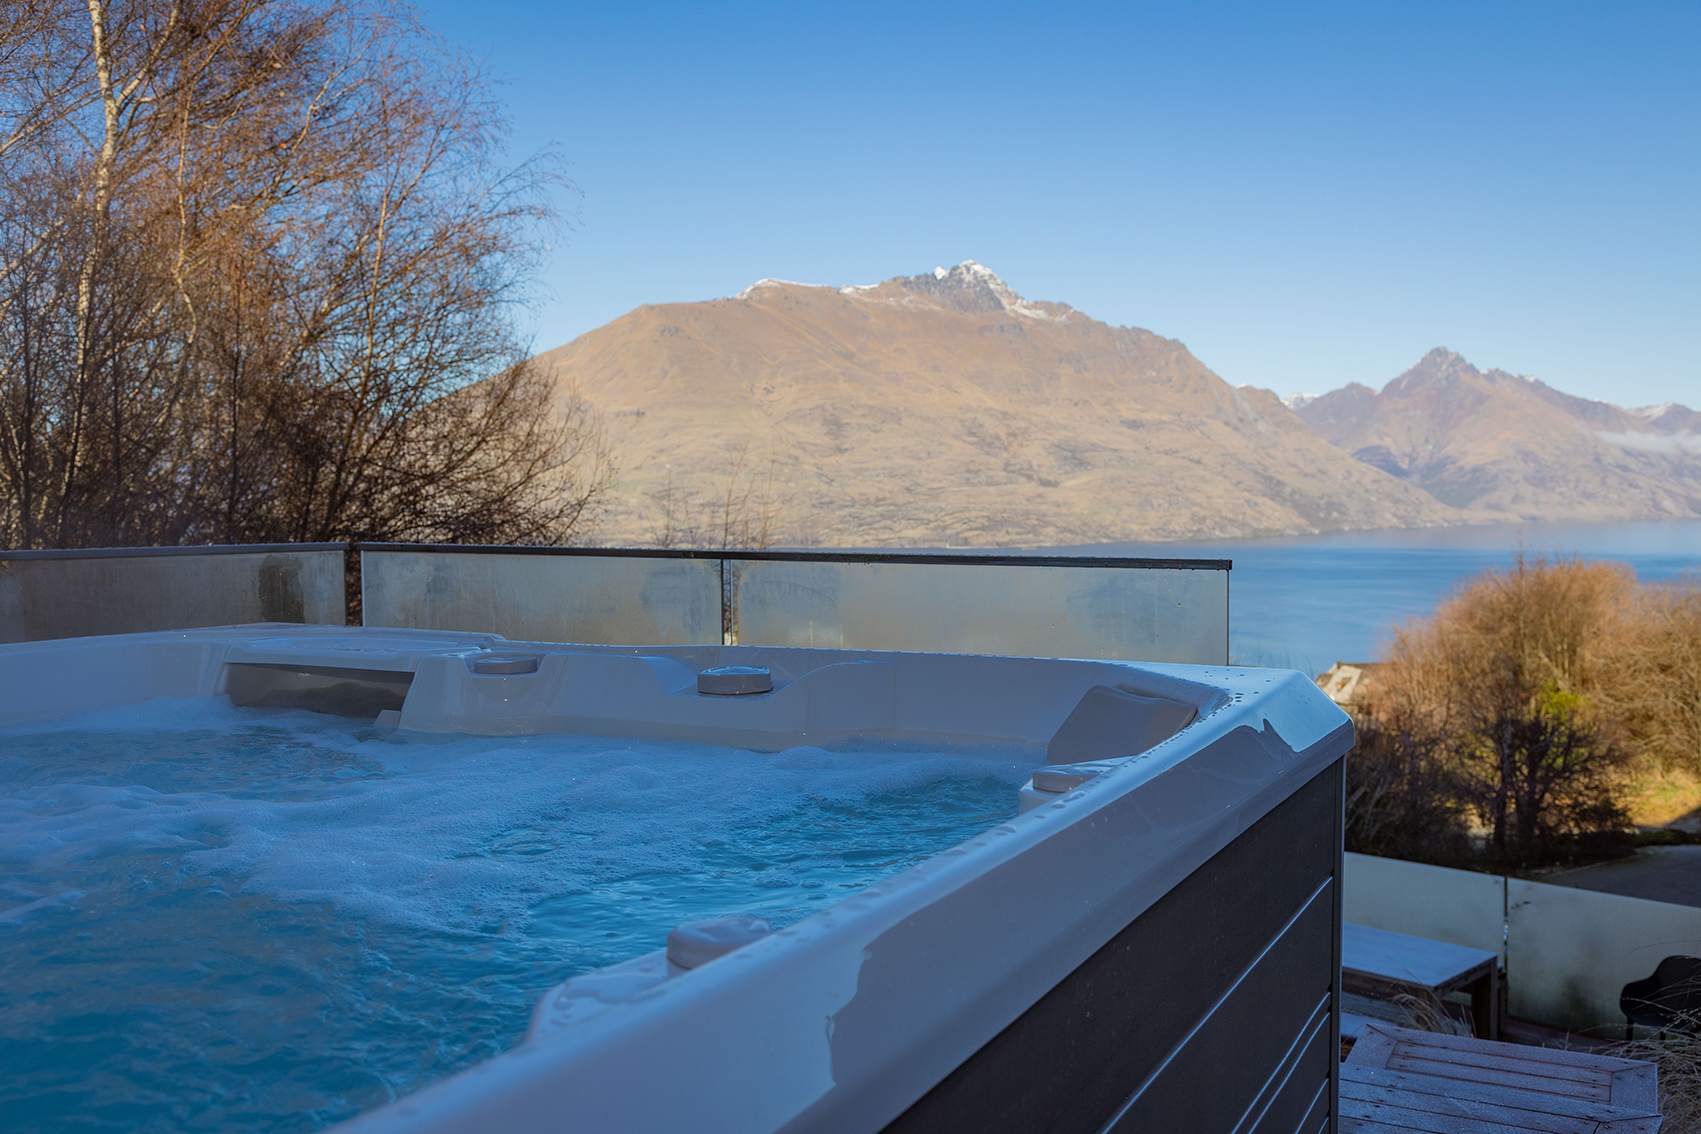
(213, 918)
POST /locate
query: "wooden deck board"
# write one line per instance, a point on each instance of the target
(1365, 1126)
(1437, 1122)
(1481, 1092)
(1515, 1050)
(1518, 1080)
(1423, 1083)
(1361, 1094)
(1621, 1082)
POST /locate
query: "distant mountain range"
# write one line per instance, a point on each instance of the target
(1513, 445)
(945, 409)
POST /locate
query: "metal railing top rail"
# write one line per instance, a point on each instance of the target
(790, 555)
(805, 555)
(180, 549)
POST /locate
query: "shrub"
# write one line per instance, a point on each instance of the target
(1499, 697)
(1401, 801)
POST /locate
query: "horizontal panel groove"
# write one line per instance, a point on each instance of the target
(1320, 898)
(1317, 1114)
(1284, 1077)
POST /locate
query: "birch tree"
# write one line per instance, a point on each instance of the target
(259, 267)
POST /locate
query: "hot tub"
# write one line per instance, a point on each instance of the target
(1136, 929)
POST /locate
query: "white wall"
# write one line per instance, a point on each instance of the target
(1458, 906)
(1572, 951)
(1567, 952)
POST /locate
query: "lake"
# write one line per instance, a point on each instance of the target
(1304, 602)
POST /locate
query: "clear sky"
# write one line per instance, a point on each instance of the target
(1304, 194)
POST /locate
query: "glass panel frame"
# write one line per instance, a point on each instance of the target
(603, 599)
(73, 594)
(1042, 610)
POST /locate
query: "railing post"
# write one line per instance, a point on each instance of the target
(354, 612)
(729, 606)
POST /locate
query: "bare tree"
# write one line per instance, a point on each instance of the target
(1651, 679)
(748, 509)
(741, 510)
(257, 268)
(1404, 798)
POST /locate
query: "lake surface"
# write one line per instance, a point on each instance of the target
(1305, 602)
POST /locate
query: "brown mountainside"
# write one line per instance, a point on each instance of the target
(1499, 442)
(945, 409)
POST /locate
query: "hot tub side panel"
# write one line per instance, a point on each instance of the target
(1212, 1011)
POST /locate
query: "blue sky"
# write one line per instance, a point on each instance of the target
(1304, 194)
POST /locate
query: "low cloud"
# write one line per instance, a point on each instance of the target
(1667, 444)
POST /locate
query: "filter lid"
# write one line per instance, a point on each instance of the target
(733, 680)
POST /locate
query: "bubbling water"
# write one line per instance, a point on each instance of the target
(224, 919)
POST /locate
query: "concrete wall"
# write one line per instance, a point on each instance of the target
(1567, 952)
(69, 594)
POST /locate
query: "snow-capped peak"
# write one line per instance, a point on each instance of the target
(972, 285)
(970, 268)
(969, 286)
(975, 271)
(1650, 413)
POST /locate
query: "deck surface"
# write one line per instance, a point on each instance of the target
(1397, 1081)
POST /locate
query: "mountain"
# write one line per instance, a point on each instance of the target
(1499, 442)
(944, 409)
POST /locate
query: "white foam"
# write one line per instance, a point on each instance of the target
(162, 714)
(450, 834)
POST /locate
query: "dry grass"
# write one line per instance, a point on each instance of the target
(1662, 797)
(1678, 1057)
(1429, 1013)
(1676, 1051)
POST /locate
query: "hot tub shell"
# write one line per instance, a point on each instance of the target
(1151, 944)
